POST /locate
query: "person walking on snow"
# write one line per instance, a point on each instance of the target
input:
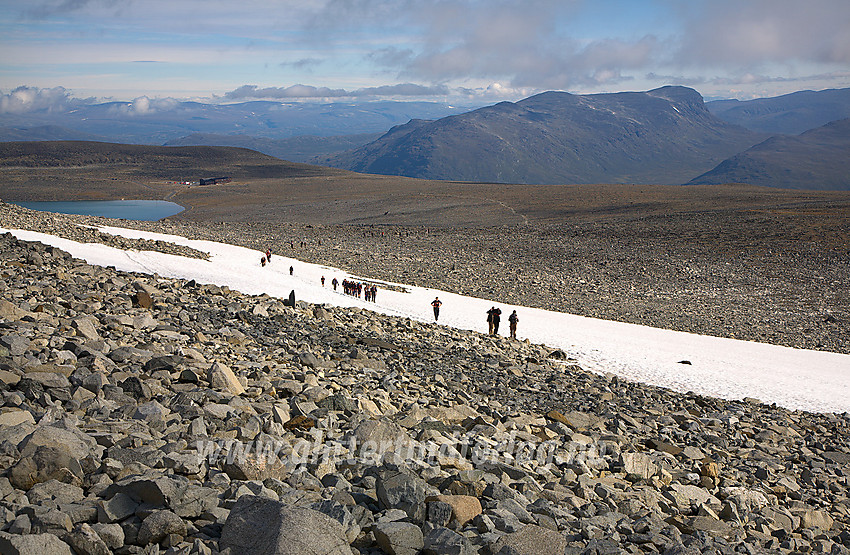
(323, 281)
(512, 321)
(490, 320)
(436, 303)
(497, 316)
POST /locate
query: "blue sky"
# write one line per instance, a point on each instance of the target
(476, 51)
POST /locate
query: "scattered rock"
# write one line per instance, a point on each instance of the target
(263, 526)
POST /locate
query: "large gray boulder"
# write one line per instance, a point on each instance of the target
(159, 524)
(638, 466)
(43, 464)
(399, 490)
(380, 437)
(399, 538)
(33, 544)
(16, 344)
(442, 541)
(158, 491)
(61, 435)
(260, 526)
(531, 540)
(86, 541)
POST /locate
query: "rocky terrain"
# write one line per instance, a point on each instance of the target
(144, 415)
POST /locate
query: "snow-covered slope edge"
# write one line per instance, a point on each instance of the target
(797, 379)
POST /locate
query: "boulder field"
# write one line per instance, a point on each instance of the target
(140, 414)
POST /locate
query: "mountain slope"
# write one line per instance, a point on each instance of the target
(661, 136)
(78, 170)
(816, 159)
(790, 114)
(45, 133)
(294, 149)
(153, 162)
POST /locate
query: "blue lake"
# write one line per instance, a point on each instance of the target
(144, 210)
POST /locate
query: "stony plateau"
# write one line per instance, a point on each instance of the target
(147, 415)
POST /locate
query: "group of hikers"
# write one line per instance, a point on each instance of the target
(266, 258)
(494, 318)
(349, 287)
(356, 288)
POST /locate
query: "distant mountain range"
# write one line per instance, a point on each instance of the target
(160, 122)
(816, 159)
(790, 114)
(664, 136)
(295, 149)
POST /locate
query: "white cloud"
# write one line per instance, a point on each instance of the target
(32, 99)
(253, 92)
(143, 105)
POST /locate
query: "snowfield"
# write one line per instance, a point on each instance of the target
(815, 381)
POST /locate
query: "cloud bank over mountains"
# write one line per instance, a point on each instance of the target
(31, 99)
(336, 49)
(23, 100)
(253, 92)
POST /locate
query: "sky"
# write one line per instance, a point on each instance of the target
(816, 381)
(474, 51)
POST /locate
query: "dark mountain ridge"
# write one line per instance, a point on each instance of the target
(663, 136)
(295, 149)
(817, 159)
(791, 113)
(149, 161)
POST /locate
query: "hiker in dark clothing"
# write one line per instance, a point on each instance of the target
(323, 281)
(512, 321)
(269, 255)
(334, 282)
(436, 303)
(490, 320)
(497, 316)
(291, 269)
(263, 261)
(374, 290)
